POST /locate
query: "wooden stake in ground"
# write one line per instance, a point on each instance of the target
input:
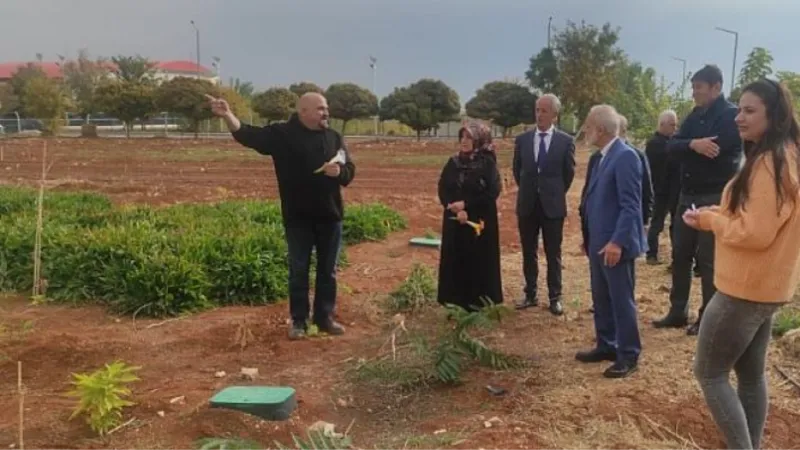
(37, 248)
(21, 404)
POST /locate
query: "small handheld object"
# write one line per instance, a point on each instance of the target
(694, 208)
(478, 227)
(340, 158)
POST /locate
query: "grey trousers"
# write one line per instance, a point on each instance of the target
(734, 334)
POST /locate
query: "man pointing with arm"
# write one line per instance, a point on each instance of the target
(311, 201)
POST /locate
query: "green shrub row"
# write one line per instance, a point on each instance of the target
(158, 261)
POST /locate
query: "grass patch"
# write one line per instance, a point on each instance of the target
(786, 320)
(158, 261)
(416, 292)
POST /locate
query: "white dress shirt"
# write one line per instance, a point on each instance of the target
(605, 149)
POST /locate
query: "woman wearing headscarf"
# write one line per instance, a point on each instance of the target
(469, 266)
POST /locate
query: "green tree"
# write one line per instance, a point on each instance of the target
(504, 103)
(245, 89)
(304, 87)
(792, 82)
(275, 104)
(587, 58)
(186, 97)
(46, 99)
(82, 76)
(19, 80)
(133, 68)
(126, 100)
(422, 105)
(543, 73)
(640, 96)
(757, 66)
(348, 101)
(9, 102)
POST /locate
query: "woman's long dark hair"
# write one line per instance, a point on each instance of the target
(782, 127)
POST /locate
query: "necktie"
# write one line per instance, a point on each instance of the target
(542, 151)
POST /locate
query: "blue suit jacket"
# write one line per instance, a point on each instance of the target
(614, 202)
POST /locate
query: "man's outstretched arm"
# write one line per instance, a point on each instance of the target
(260, 139)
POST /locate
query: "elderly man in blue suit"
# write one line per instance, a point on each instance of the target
(613, 208)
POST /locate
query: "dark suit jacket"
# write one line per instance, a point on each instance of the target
(551, 185)
(613, 204)
(647, 191)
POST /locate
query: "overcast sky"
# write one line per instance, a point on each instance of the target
(463, 42)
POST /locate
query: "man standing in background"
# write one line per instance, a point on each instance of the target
(544, 167)
(709, 150)
(647, 184)
(666, 182)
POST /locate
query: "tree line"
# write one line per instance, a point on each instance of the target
(585, 65)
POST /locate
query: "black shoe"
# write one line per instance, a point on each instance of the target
(694, 329)
(297, 331)
(556, 308)
(596, 355)
(621, 370)
(529, 302)
(696, 271)
(671, 322)
(331, 327)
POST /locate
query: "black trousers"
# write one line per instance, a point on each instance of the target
(552, 234)
(691, 245)
(664, 204)
(302, 238)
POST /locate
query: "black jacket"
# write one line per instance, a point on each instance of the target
(665, 169)
(297, 152)
(701, 175)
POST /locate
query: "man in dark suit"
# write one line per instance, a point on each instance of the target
(666, 181)
(613, 208)
(544, 167)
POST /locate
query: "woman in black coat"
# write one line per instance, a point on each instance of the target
(469, 265)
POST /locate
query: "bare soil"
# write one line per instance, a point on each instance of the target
(555, 403)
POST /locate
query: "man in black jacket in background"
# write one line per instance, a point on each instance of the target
(311, 200)
(666, 182)
(709, 149)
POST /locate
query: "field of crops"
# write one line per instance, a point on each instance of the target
(169, 255)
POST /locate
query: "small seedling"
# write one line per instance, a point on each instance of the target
(103, 394)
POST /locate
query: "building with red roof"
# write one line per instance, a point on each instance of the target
(164, 70)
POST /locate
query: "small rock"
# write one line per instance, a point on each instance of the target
(249, 373)
(342, 402)
(442, 431)
(220, 374)
(517, 430)
(161, 414)
(327, 429)
(487, 424)
(181, 399)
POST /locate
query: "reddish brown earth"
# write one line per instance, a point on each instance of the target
(555, 403)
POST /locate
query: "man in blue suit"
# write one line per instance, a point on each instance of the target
(613, 209)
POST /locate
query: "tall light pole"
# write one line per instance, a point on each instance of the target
(735, 50)
(549, 23)
(683, 77)
(197, 44)
(373, 63)
(217, 66)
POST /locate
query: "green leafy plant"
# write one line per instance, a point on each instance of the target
(787, 319)
(446, 356)
(159, 261)
(103, 394)
(314, 440)
(417, 291)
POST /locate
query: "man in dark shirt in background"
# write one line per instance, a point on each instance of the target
(666, 182)
(709, 150)
(311, 200)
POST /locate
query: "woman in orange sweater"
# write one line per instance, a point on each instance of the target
(756, 263)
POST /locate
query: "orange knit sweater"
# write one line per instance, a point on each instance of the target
(757, 250)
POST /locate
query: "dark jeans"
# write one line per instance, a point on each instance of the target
(735, 335)
(664, 204)
(691, 245)
(302, 237)
(552, 235)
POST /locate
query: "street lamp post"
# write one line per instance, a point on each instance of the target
(197, 45)
(549, 22)
(373, 63)
(735, 50)
(683, 77)
(218, 68)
